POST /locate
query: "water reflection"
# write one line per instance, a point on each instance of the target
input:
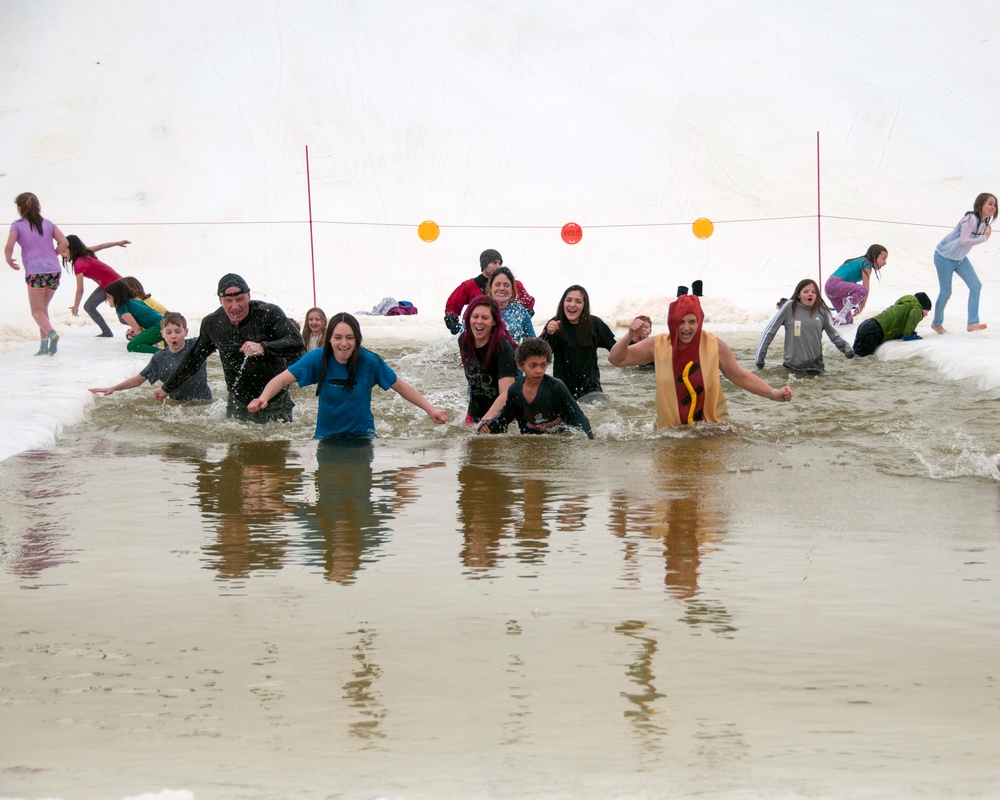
(494, 506)
(245, 497)
(360, 692)
(641, 709)
(686, 513)
(349, 523)
(34, 531)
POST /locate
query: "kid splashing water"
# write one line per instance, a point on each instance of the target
(161, 366)
(538, 402)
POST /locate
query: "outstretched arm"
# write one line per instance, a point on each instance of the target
(130, 383)
(106, 245)
(747, 380)
(275, 385)
(625, 355)
(411, 395)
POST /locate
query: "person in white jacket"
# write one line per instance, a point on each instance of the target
(805, 317)
(951, 257)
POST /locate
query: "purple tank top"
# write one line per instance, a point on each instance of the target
(38, 253)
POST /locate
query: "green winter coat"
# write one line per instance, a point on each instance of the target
(901, 319)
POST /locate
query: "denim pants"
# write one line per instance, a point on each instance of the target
(945, 269)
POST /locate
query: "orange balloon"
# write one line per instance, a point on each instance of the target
(571, 233)
(428, 230)
(702, 227)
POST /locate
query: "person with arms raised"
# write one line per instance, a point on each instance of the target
(687, 362)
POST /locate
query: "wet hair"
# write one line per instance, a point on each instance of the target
(585, 334)
(120, 292)
(306, 333)
(135, 286)
(531, 348)
(76, 249)
(30, 209)
(502, 270)
(645, 319)
(467, 342)
(977, 206)
(819, 305)
(353, 360)
(871, 256)
(173, 318)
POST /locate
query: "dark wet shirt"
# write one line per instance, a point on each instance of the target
(246, 376)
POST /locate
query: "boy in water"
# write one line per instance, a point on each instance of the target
(161, 366)
(538, 402)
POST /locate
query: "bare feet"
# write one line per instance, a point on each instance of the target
(938, 329)
(977, 326)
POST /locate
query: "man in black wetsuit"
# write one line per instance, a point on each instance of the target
(255, 340)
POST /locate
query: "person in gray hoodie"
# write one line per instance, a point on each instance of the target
(805, 317)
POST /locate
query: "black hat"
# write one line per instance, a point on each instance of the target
(924, 300)
(232, 281)
(488, 256)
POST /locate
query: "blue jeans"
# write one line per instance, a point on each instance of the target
(945, 268)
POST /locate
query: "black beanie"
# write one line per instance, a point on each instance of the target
(487, 256)
(924, 300)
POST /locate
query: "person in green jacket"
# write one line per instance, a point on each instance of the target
(898, 321)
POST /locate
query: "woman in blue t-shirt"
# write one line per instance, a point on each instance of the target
(345, 374)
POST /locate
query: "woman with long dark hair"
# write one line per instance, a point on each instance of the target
(86, 264)
(35, 234)
(487, 357)
(951, 258)
(574, 336)
(344, 373)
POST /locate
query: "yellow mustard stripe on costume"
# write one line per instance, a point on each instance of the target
(686, 377)
(667, 413)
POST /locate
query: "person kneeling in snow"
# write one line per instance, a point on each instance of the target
(898, 321)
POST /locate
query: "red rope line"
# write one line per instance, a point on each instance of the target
(685, 224)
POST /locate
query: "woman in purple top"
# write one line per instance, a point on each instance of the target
(41, 264)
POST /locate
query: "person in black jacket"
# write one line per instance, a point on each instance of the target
(255, 340)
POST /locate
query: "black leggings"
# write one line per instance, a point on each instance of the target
(868, 338)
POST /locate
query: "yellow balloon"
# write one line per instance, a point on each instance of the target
(428, 231)
(702, 227)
